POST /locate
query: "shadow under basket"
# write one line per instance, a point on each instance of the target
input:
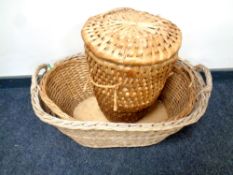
(57, 92)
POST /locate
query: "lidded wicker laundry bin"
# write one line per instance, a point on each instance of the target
(130, 55)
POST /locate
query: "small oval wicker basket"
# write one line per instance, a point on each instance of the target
(185, 96)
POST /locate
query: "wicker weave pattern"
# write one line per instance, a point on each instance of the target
(181, 84)
(106, 134)
(131, 37)
(64, 86)
(134, 49)
(138, 89)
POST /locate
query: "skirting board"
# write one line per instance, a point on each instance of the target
(25, 81)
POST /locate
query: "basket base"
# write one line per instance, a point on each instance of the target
(89, 110)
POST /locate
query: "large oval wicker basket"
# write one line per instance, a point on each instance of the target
(62, 88)
(133, 53)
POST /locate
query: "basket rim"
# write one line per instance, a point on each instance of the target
(198, 110)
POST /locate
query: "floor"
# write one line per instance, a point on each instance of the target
(28, 146)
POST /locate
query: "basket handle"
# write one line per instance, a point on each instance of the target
(35, 76)
(208, 77)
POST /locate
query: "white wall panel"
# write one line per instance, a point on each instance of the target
(41, 31)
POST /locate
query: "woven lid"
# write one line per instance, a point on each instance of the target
(131, 37)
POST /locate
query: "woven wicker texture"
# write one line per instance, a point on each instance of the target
(130, 54)
(180, 86)
(131, 37)
(107, 134)
(138, 89)
(62, 88)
